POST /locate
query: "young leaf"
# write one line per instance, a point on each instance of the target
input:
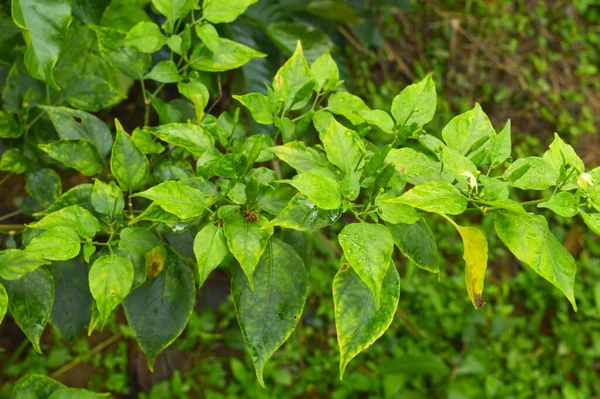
(465, 129)
(325, 72)
(269, 312)
(528, 238)
(15, 263)
(247, 240)
(343, 147)
(3, 302)
(217, 11)
(158, 310)
(293, 81)
(209, 36)
(417, 243)
(501, 147)
(145, 142)
(137, 241)
(259, 105)
(304, 215)
(110, 279)
(127, 162)
(30, 301)
(78, 154)
(299, 156)
(415, 104)
(107, 199)
(378, 118)
(210, 248)
(368, 249)
(231, 55)
(191, 137)
(57, 243)
(435, 196)
(359, 320)
(133, 63)
(73, 217)
(75, 124)
(174, 197)
(348, 105)
(45, 25)
(44, 186)
(71, 312)
(563, 204)
(323, 191)
(198, 94)
(415, 167)
(531, 173)
(174, 9)
(145, 37)
(561, 154)
(164, 72)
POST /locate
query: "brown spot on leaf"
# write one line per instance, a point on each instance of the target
(344, 266)
(77, 119)
(251, 217)
(479, 302)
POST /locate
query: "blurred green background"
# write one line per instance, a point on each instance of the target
(535, 62)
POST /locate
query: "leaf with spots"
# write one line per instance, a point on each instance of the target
(269, 313)
(127, 162)
(57, 243)
(111, 277)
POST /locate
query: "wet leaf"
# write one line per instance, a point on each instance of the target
(343, 147)
(563, 204)
(417, 243)
(137, 241)
(323, 191)
(465, 129)
(299, 156)
(304, 215)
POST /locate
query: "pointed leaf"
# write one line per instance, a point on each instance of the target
(35, 386)
(107, 199)
(210, 248)
(127, 162)
(563, 204)
(415, 167)
(325, 72)
(79, 195)
(501, 146)
(465, 129)
(323, 191)
(191, 137)
(293, 81)
(231, 55)
(417, 243)
(78, 154)
(137, 241)
(44, 185)
(73, 217)
(435, 196)
(475, 256)
(415, 104)
(15, 263)
(343, 147)
(57, 243)
(3, 302)
(304, 215)
(531, 173)
(174, 197)
(217, 11)
(145, 37)
(133, 63)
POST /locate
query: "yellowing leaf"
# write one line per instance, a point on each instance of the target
(476, 257)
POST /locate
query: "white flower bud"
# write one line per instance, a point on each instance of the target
(471, 180)
(585, 180)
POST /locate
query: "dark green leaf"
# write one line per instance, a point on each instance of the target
(131, 62)
(78, 154)
(78, 195)
(417, 243)
(137, 241)
(127, 162)
(14, 161)
(9, 127)
(35, 386)
(89, 11)
(44, 186)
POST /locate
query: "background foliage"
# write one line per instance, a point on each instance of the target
(527, 62)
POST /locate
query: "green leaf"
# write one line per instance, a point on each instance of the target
(75, 124)
(107, 199)
(343, 147)
(127, 162)
(259, 105)
(164, 72)
(174, 9)
(286, 35)
(89, 11)
(218, 11)
(30, 301)
(110, 280)
(592, 220)
(231, 55)
(561, 154)
(77, 393)
(368, 249)
(415, 104)
(476, 256)
(348, 105)
(191, 137)
(417, 243)
(57, 243)
(145, 37)
(304, 215)
(44, 186)
(71, 312)
(325, 72)
(465, 129)
(293, 81)
(45, 26)
(137, 241)
(359, 319)
(247, 240)
(78, 195)
(415, 167)
(528, 238)
(15, 263)
(563, 204)
(133, 63)
(3, 302)
(74, 217)
(197, 92)
(14, 161)
(183, 201)
(538, 174)
(395, 212)
(9, 127)
(209, 36)
(501, 146)
(78, 154)
(299, 156)
(378, 118)
(269, 310)
(145, 142)
(210, 248)
(159, 309)
(35, 386)
(323, 191)
(435, 196)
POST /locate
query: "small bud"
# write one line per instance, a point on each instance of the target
(584, 181)
(471, 180)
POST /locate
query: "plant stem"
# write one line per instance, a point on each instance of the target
(7, 228)
(9, 215)
(5, 178)
(95, 350)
